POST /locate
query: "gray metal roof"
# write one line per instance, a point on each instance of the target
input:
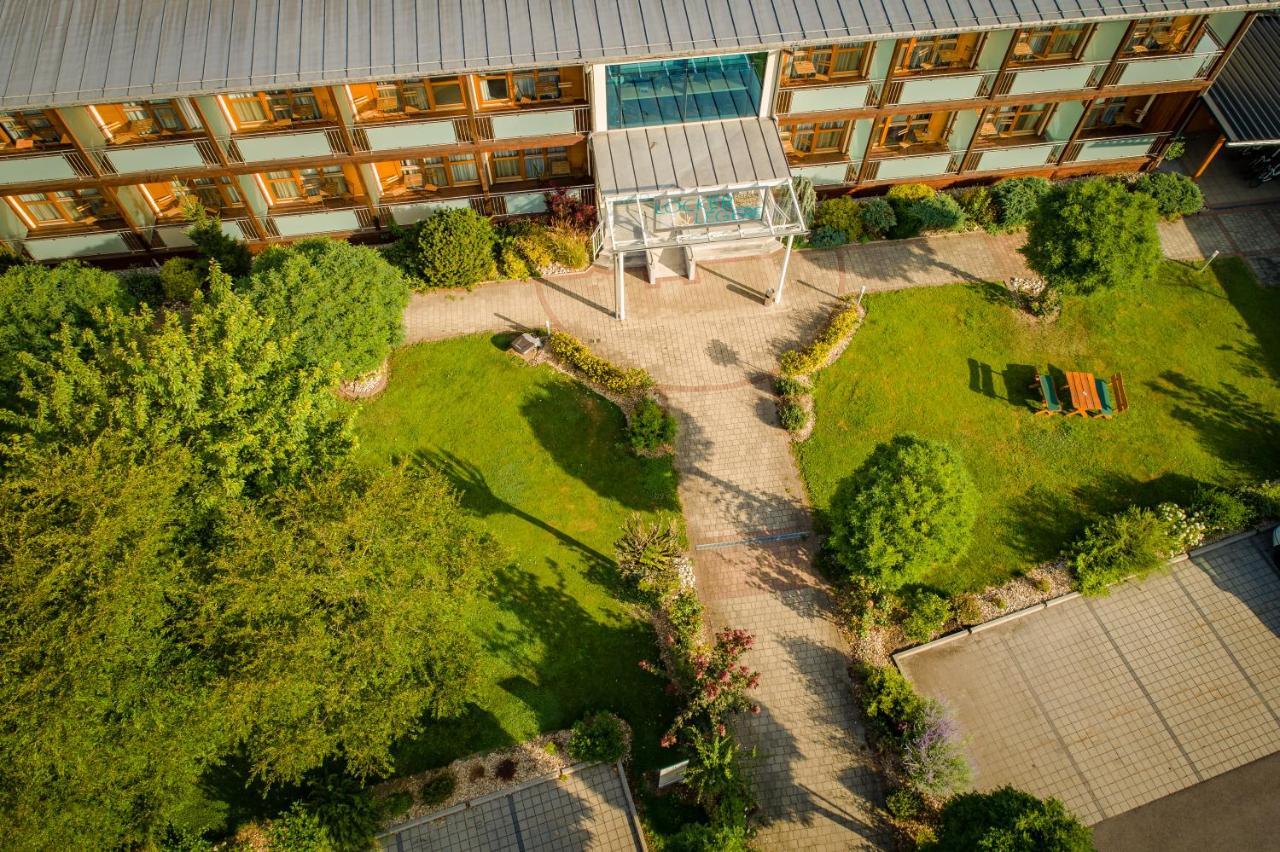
(1245, 98)
(62, 52)
(704, 155)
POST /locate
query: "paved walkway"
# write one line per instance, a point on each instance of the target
(589, 810)
(1114, 702)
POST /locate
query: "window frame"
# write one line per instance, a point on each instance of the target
(440, 165)
(302, 180)
(62, 200)
(1051, 32)
(813, 131)
(1144, 30)
(20, 120)
(511, 80)
(1102, 105)
(880, 132)
(1042, 111)
(522, 156)
(908, 46)
(269, 102)
(834, 51)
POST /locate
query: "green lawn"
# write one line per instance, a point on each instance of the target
(1200, 356)
(541, 462)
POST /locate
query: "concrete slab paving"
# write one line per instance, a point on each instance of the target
(1114, 702)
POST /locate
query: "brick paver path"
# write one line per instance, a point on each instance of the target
(588, 810)
(1114, 702)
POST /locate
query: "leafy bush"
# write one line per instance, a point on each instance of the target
(569, 248)
(892, 708)
(180, 279)
(1175, 149)
(646, 554)
(910, 192)
(599, 738)
(920, 208)
(842, 214)
(450, 248)
(1222, 511)
(826, 237)
(1132, 543)
(717, 778)
(684, 613)
(927, 612)
(437, 789)
(345, 810)
(801, 362)
(932, 757)
(523, 249)
(1008, 820)
(1016, 200)
(395, 805)
(905, 803)
(36, 301)
(878, 218)
(1264, 497)
(9, 258)
(806, 197)
(569, 211)
(792, 416)
(1093, 233)
(1175, 194)
(596, 369)
(344, 303)
(978, 205)
(909, 509)
(697, 837)
(967, 608)
(651, 426)
(214, 244)
(788, 386)
(298, 830)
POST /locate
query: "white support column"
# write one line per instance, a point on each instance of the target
(619, 264)
(782, 278)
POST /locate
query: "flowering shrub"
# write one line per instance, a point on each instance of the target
(932, 757)
(1132, 543)
(569, 211)
(1185, 529)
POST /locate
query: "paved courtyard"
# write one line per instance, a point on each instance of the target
(1115, 702)
(589, 810)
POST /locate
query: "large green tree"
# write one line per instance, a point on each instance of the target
(218, 380)
(1094, 233)
(36, 301)
(344, 303)
(149, 631)
(1008, 820)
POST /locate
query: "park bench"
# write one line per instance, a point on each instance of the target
(1048, 395)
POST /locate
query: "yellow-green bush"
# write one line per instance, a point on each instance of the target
(799, 362)
(610, 376)
(569, 247)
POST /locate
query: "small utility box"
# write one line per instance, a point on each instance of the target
(672, 774)
(526, 345)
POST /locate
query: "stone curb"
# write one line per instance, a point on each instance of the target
(480, 800)
(940, 641)
(633, 815)
(1069, 596)
(1007, 617)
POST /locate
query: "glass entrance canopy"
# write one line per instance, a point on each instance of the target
(681, 90)
(707, 216)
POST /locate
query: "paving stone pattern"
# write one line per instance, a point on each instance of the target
(1114, 702)
(589, 810)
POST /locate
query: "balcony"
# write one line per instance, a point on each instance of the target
(991, 155)
(103, 238)
(1119, 144)
(313, 141)
(933, 160)
(513, 123)
(39, 168)
(158, 154)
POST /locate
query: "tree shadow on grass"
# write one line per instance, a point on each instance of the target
(1241, 432)
(583, 434)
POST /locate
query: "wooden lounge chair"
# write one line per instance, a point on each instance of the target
(1048, 395)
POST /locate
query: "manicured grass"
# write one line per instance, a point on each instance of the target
(542, 462)
(1200, 356)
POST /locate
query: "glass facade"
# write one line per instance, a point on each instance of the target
(680, 90)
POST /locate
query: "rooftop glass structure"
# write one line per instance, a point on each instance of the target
(707, 88)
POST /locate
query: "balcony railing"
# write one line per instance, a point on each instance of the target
(102, 156)
(479, 128)
(890, 166)
(1028, 155)
(486, 205)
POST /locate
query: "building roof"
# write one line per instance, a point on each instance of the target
(1245, 98)
(63, 52)
(647, 161)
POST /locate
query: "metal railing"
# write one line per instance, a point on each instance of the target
(876, 160)
(973, 162)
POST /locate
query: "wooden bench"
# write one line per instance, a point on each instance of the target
(1048, 395)
(1112, 398)
(1121, 398)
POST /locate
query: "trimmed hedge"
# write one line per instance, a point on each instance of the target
(608, 375)
(798, 362)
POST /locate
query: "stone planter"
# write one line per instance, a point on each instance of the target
(368, 385)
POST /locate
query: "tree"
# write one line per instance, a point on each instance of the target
(219, 381)
(345, 303)
(339, 611)
(213, 243)
(1093, 233)
(108, 718)
(1008, 820)
(36, 301)
(152, 626)
(450, 248)
(909, 509)
(1175, 194)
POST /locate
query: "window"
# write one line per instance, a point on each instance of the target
(939, 53)
(828, 62)
(307, 185)
(520, 87)
(284, 107)
(214, 193)
(641, 94)
(828, 137)
(64, 207)
(1049, 43)
(427, 174)
(904, 131)
(28, 128)
(394, 98)
(1162, 35)
(1115, 112)
(536, 164)
(128, 121)
(1021, 120)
